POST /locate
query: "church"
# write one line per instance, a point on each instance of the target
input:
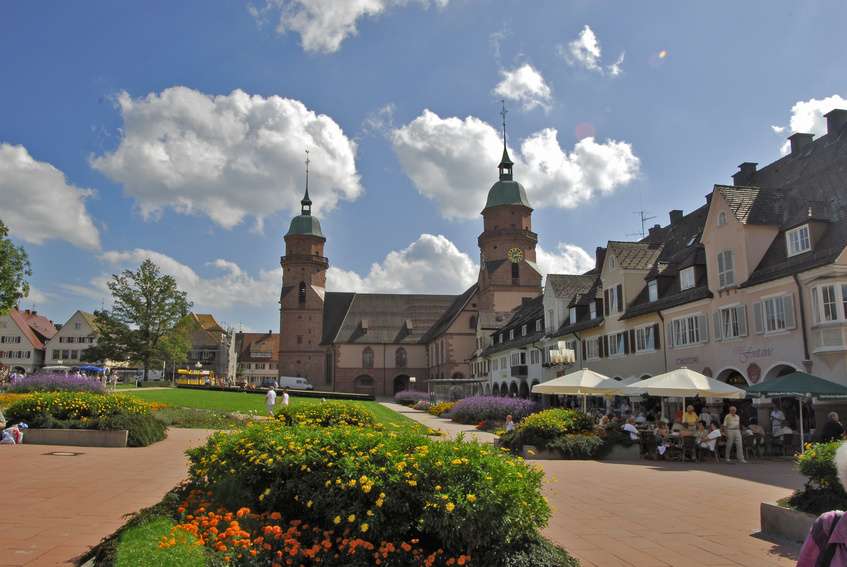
(374, 343)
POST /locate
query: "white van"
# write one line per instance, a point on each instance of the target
(294, 382)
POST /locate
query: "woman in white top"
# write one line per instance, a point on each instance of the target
(630, 428)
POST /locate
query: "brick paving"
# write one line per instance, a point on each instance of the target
(648, 513)
(56, 508)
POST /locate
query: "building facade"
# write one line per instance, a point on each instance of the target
(23, 336)
(78, 334)
(258, 357)
(377, 343)
(212, 347)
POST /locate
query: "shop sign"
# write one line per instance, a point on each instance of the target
(746, 354)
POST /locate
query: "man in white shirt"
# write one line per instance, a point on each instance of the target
(711, 438)
(732, 427)
(285, 397)
(777, 420)
(629, 427)
(270, 400)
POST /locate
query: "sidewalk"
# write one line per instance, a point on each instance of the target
(55, 508)
(450, 428)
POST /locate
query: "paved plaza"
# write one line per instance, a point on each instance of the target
(55, 508)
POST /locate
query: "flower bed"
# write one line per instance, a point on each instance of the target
(410, 397)
(823, 491)
(54, 382)
(490, 408)
(440, 408)
(569, 432)
(466, 499)
(422, 405)
(85, 410)
(326, 414)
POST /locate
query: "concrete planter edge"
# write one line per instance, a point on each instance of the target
(785, 523)
(76, 437)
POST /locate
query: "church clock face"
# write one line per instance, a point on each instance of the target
(515, 255)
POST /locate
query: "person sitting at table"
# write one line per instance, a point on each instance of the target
(832, 429)
(710, 440)
(690, 417)
(662, 438)
(700, 432)
(705, 417)
(630, 428)
(640, 419)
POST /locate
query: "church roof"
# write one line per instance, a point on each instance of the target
(450, 315)
(506, 192)
(305, 225)
(368, 318)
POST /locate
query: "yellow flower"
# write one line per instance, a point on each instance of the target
(351, 518)
(337, 520)
(450, 506)
(413, 483)
(364, 528)
(471, 497)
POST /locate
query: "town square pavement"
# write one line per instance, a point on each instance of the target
(55, 508)
(649, 513)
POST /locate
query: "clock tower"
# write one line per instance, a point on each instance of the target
(507, 270)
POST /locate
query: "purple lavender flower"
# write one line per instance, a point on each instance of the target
(491, 408)
(54, 382)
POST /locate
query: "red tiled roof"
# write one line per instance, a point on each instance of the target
(36, 328)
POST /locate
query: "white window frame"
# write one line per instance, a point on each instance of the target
(572, 315)
(645, 339)
(592, 348)
(829, 309)
(798, 240)
(617, 344)
(775, 314)
(523, 330)
(730, 321)
(686, 331)
(726, 274)
(686, 278)
(653, 290)
(613, 299)
(538, 325)
(592, 309)
(511, 334)
(721, 218)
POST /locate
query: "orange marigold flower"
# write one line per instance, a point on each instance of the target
(276, 516)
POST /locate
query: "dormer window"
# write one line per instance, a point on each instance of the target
(592, 307)
(511, 334)
(653, 290)
(686, 278)
(798, 240)
(572, 315)
(721, 218)
(523, 330)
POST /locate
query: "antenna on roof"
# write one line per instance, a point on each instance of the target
(642, 214)
(503, 113)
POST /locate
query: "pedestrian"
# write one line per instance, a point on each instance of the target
(777, 419)
(732, 430)
(826, 543)
(285, 397)
(510, 424)
(270, 400)
(832, 429)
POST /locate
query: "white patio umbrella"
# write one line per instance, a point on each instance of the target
(684, 383)
(580, 383)
(612, 387)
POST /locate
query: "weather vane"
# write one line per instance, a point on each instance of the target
(307, 170)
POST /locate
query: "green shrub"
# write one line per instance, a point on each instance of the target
(534, 552)
(74, 406)
(440, 408)
(326, 414)
(462, 496)
(551, 423)
(143, 429)
(138, 546)
(577, 445)
(823, 490)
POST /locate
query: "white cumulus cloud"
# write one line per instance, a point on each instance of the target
(323, 25)
(807, 116)
(565, 259)
(38, 204)
(585, 52)
(525, 85)
(430, 264)
(453, 161)
(228, 156)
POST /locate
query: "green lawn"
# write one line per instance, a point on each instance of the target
(138, 546)
(250, 402)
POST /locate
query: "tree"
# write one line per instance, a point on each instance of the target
(147, 306)
(14, 269)
(174, 346)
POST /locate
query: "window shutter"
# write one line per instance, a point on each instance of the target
(742, 320)
(626, 349)
(604, 342)
(703, 324)
(632, 340)
(620, 298)
(657, 343)
(788, 303)
(669, 330)
(759, 317)
(584, 350)
(718, 328)
(606, 302)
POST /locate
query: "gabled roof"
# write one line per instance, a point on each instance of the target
(753, 205)
(567, 286)
(36, 328)
(386, 316)
(90, 320)
(451, 313)
(207, 322)
(244, 343)
(336, 305)
(579, 326)
(522, 315)
(668, 301)
(634, 255)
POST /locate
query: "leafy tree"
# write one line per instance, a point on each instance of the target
(174, 347)
(14, 269)
(147, 306)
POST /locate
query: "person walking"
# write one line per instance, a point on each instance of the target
(285, 397)
(270, 401)
(832, 429)
(732, 430)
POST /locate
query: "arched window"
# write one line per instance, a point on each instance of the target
(400, 360)
(368, 358)
(302, 293)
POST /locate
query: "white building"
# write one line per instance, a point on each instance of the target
(23, 335)
(73, 338)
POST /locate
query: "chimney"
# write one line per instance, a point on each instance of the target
(599, 257)
(799, 141)
(745, 173)
(676, 216)
(655, 228)
(835, 120)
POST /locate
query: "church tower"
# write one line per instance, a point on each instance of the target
(508, 273)
(304, 269)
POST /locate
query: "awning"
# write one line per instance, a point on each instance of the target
(580, 383)
(685, 383)
(799, 384)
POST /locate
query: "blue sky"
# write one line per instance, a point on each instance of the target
(120, 135)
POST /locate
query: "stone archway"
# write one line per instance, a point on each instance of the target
(779, 370)
(486, 390)
(401, 382)
(504, 390)
(513, 389)
(523, 390)
(495, 391)
(733, 377)
(535, 397)
(19, 370)
(363, 384)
